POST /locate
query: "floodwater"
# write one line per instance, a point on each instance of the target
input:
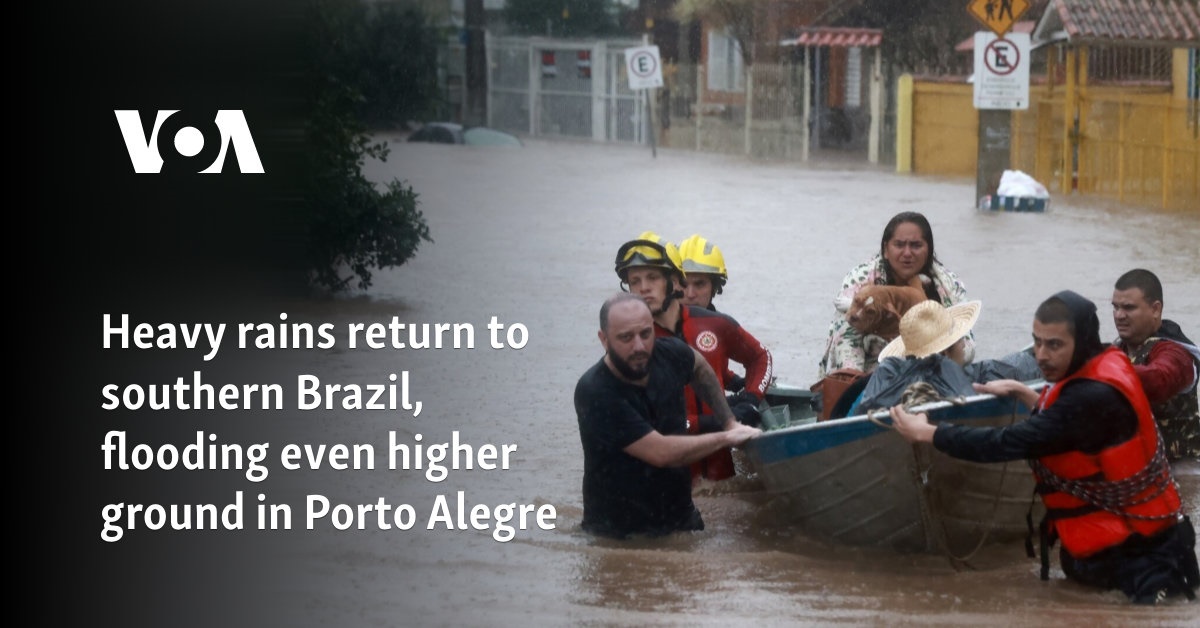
(528, 235)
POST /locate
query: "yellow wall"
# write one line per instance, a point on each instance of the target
(945, 129)
(1179, 73)
(1034, 131)
(904, 120)
(1136, 145)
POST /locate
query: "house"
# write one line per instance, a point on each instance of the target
(1126, 73)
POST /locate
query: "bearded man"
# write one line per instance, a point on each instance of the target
(633, 426)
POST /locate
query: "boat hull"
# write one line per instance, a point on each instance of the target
(856, 482)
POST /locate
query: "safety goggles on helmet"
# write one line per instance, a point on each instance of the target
(648, 250)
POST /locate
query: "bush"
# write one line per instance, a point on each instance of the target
(352, 226)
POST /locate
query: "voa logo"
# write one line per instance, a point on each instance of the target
(183, 142)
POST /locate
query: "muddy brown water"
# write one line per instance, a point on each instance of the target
(528, 235)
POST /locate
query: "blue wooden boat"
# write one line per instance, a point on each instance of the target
(855, 481)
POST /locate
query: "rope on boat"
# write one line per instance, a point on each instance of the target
(872, 416)
(921, 393)
(955, 559)
(916, 395)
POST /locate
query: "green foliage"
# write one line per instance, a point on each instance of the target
(566, 18)
(398, 61)
(917, 33)
(352, 227)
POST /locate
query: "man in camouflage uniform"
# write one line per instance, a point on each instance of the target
(1165, 360)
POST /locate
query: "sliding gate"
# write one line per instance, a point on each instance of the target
(564, 88)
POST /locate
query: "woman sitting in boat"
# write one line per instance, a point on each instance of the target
(906, 256)
(930, 349)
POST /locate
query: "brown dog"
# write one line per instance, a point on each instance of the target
(877, 309)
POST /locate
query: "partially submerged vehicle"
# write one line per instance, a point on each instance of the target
(454, 133)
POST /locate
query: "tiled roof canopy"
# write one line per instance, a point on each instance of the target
(837, 37)
(1132, 22)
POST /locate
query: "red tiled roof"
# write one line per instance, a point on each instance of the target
(836, 37)
(1130, 21)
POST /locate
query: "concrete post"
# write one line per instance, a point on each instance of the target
(876, 102)
(904, 122)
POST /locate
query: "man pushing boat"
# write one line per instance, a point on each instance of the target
(633, 426)
(652, 268)
(1097, 455)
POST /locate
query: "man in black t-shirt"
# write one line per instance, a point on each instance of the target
(633, 426)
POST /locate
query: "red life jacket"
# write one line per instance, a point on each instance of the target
(1084, 527)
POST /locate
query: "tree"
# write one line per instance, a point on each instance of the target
(562, 18)
(916, 34)
(351, 226)
(744, 20)
(398, 63)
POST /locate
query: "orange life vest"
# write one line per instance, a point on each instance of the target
(1084, 527)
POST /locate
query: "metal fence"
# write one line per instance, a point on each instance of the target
(564, 88)
(579, 89)
(779, 112)
(765, 118)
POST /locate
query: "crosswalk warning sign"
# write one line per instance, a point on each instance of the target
(998, 15)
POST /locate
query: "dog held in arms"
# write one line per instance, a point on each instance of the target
(876, 309)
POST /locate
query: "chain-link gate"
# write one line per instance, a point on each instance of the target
(547, 87)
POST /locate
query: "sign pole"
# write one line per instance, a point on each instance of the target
(650, 111)
(650, 123)
(644, 68)
(994, 154)
(1001, 85)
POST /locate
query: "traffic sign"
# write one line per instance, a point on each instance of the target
(643, 66)
(1001, 71)
(998, 15)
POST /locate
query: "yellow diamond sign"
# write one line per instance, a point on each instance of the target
(998, 15)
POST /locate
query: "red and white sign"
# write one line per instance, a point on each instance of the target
(1001, 71)
(644, 67)
(583, 61)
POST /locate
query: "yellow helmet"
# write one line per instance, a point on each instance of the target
(648, 250)
(701, 256)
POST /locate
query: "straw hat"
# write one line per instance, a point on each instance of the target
(928, 328)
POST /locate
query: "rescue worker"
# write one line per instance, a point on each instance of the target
(1165, 360)
(651, 268)
(704, 272)
(1095, 450)
(704, 276)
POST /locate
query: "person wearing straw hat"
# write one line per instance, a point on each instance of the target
(930, 348)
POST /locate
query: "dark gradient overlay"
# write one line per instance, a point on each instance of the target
(171, 247)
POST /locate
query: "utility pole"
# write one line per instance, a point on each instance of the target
(476, 64)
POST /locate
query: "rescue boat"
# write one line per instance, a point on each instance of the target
(854, 481)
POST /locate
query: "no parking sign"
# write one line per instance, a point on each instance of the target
(643, 67)
(1002, 71)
